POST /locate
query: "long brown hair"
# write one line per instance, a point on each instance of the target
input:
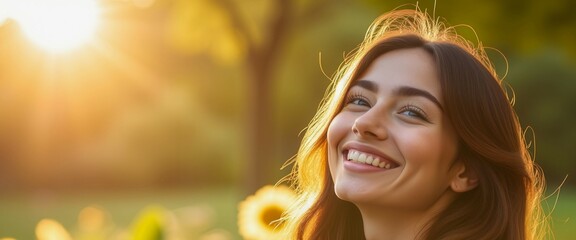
(506, 203)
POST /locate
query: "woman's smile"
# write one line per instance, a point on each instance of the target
(358, 157)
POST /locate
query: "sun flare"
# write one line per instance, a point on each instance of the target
(57, 25)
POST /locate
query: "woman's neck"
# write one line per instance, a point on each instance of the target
(390, 223)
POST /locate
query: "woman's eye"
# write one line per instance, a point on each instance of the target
(413, 112)
(359, 101)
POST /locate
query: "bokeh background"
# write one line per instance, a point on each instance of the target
(198, 103)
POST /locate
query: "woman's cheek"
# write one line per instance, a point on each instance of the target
(338, 128)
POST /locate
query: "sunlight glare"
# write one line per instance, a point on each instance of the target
(5, 10)
(58, 25)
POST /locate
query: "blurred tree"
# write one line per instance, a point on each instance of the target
(232, 69)
(251, 34)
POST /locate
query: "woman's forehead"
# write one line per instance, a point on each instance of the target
(413, 67)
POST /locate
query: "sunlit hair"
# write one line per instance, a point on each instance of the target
(506, 203)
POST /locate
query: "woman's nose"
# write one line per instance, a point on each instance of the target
(371, 125)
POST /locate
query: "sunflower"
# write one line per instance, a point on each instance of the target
(259, 216)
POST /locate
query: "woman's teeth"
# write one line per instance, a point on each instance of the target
(368, 159)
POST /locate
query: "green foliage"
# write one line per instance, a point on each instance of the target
(514, 26)
(201, 26)
(544, 85)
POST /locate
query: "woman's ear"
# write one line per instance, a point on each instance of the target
(464, 180)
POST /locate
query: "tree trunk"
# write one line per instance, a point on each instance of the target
(262, 62)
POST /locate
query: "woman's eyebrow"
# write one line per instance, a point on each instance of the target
(366, 84)
(406, 91)
(402, 91)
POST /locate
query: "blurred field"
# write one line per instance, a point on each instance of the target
(20, 214)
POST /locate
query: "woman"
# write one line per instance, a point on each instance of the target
(416, 139)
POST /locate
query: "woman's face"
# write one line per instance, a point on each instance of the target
(391, 144)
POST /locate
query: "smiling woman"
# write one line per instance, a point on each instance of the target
(57, 25)
(415, 139)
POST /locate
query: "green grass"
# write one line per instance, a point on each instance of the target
(19, 214)
(563, 218)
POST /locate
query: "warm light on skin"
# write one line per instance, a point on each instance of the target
(57, 25)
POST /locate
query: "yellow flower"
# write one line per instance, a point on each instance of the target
(48, 229)
(259, 215)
